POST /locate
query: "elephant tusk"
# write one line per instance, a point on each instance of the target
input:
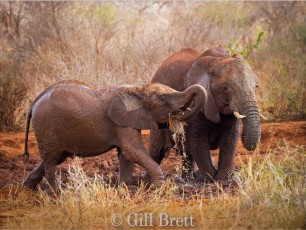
(188, 109)
(238, 115)
(263, 117)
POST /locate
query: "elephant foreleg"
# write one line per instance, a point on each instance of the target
(126, 169)
(133, 150)
(228, 147)
(197, 145)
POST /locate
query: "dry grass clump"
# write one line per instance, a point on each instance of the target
(270, 193)
(13, 92)
(273, 190)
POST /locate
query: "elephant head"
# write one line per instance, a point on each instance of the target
(147, 106)
(231, 85)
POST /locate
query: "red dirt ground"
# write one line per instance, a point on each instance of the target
(13, 170)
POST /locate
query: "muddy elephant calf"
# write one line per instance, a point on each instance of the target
(71, 119)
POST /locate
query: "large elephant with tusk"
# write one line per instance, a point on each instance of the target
(230, 84)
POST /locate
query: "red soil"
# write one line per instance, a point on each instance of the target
(13, 170)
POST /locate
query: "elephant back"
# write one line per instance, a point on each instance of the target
(174, 69)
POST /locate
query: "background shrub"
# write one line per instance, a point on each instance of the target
(13, 92)
(115, 43)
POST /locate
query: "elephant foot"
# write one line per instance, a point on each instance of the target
(29, 186)
(146, 175)
(132, 181)
(223, 177)
(226, 181)
(197, 176)
(206, 178)
(127, 183)
(130, 187)
(156, 184)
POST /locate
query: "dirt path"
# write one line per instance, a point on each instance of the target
(12, 168)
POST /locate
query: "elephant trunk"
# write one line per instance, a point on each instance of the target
(251, 126)
(194, 96)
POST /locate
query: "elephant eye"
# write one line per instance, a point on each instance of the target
(224, 87)
(162, 98)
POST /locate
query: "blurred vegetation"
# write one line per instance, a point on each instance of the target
(107, 44)
(284, 81)
(13, 92)
(235, 48)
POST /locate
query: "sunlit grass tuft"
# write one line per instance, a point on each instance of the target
(269, 192)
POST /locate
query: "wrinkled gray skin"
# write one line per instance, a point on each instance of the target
(71, 119)
(230, 85)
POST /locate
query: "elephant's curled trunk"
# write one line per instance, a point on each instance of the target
(195, 97)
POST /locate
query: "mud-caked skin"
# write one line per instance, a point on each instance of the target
(230, 84)
(72, 119)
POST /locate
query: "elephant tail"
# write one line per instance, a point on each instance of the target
(26, 154)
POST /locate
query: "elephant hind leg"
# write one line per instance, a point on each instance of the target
(51, 160)
(50, 176)
(64, 156)
(35, 177)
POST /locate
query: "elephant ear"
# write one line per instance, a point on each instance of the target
(127, 109)
(217, 52)
(201, 73)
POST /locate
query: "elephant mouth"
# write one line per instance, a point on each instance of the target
(186, 104)
(225, 109)
(183, 111)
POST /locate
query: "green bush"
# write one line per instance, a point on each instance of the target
(235, 48)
